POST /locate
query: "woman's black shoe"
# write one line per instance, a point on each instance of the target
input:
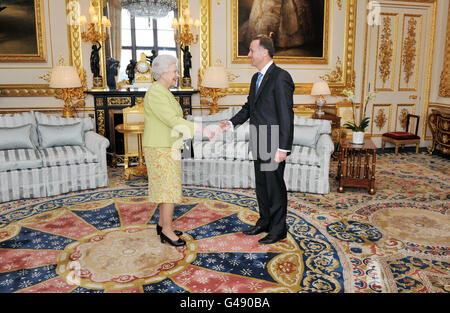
(159, 229)
(177, 243)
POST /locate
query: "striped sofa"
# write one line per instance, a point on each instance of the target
(41, 171)
(227, 163)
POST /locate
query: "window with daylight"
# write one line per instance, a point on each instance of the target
(143, 34)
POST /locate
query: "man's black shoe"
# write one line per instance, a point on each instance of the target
(269, 239)
(255, 230)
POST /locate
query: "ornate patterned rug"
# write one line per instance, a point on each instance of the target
(397, 240)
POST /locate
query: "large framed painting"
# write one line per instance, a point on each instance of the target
(22, 31)
(298, 28)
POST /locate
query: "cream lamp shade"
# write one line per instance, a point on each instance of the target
(320, 89)
(64, 77)
(215, 77)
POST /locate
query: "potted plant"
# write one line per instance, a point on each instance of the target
(358, 129)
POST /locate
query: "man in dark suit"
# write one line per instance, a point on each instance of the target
(270, 109)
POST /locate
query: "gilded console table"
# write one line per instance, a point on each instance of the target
(138, 129)
(439, 122)
(108, 114)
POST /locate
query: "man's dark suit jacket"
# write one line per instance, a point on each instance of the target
(271, 105)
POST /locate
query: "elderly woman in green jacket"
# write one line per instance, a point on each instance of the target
(162, 142)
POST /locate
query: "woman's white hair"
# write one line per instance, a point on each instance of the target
(161, 64)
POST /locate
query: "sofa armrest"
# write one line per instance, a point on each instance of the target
(97, 144)
(324, 146)
(324, 149)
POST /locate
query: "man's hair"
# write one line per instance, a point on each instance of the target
(267, 43)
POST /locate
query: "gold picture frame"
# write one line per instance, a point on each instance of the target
(75, 59)
(311, 47)
(24, 38)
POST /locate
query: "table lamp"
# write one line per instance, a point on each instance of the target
(320, 89)
(214, 79)
(67, 83)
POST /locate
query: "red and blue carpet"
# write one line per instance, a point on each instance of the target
(105, 240)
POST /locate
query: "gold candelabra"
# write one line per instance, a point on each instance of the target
(182, 27)
(96, 31)
(185, 38)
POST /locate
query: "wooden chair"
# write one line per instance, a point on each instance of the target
(403, 138)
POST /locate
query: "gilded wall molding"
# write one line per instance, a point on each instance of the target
(409, 50)
(47, 110)
(402, 110)
(74, 38)
(336, 75)
(380, 119)
(31, 90)
(444, 86)
(205, 35)
(349, 73)
(386, 51)
(402, 118)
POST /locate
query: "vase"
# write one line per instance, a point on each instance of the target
(358, 138)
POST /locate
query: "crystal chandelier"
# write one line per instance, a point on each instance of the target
(149, 8)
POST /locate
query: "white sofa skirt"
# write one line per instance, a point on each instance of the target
(65, 171)
(50, 181)
(240, 174)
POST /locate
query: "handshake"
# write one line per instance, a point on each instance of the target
(212, 134)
